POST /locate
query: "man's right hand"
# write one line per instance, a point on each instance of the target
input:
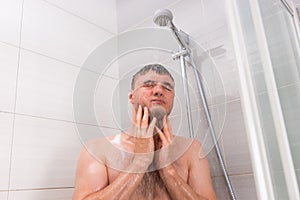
(143, 139)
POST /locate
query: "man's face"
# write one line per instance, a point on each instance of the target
(153, 89)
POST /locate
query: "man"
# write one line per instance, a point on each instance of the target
(147, 161)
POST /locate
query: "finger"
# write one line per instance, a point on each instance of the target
(145, 118)
(136, 131)
(168, 130)
(150, 130)
(139, 116)
(133, 115)
(162, 136)
(169, 127)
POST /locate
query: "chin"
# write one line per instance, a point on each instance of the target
(158, 105)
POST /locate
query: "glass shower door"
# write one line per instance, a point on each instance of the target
(267, 49)
(284, 53)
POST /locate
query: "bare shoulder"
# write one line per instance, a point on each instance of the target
(198, 168)
(90, 152)
(190, 146)
(91, 156)
(90, 165)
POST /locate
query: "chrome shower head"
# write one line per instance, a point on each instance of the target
(163, 17)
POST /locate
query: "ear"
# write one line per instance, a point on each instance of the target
(130, 97)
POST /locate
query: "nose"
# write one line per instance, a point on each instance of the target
(158, 90)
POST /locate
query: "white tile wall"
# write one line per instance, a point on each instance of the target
(244, 187)
(57, 194)
(217, 113)
(214, 164)
(180, 125)
(212, 81)
(97, 12)
(45, 87)
(87, 133)
(3, 195)
(220, 188)
(235, 144)
(45, 153)
(6, 127)
(8, 76)
(197, 18)
(130, 13)
(181, 19)
(133, 61)
(230, 80)
(53, 32)
(10, 23)
(107, 102)
(84, 97)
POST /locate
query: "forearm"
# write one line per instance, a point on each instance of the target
(176, 186)
(122, 187)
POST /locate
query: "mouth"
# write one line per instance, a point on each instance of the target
(157, 101)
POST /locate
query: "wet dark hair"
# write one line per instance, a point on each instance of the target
(158, 68)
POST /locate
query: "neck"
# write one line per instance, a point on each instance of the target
(128, 135)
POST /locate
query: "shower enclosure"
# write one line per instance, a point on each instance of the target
(266, 40)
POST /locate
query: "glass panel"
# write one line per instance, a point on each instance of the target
(283, 46)
(282, 43)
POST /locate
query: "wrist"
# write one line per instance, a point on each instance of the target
(167, 171)
(141, 163)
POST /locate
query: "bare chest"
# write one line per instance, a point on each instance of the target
(152, 186)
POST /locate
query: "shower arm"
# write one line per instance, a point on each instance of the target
(183, 45)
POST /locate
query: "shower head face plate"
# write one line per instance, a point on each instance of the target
(163, 17)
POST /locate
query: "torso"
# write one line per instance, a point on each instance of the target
(152, 186)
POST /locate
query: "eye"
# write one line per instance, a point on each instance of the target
(149, 85)
(168, 87)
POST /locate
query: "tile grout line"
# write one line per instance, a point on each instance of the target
(38, 189)
(75, 15)
(56, 59)
(234, 175)
(15, 103)
(57, 120)
(65, 62)
(9, 44)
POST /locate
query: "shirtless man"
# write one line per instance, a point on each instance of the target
(130, 169)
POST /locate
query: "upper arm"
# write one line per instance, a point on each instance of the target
(199, 173)
(91, 176)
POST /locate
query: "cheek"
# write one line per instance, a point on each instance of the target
(141, 97)
(171, 100)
